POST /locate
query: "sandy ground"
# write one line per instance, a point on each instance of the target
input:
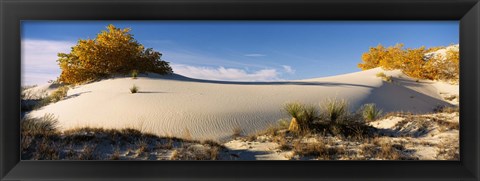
(423, 137)
(178, 106)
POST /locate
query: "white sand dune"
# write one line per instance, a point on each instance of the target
(176, 105)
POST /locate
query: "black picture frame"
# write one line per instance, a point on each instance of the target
(12, 12)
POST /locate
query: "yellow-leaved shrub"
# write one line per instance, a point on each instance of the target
(114, 51)
(413, 61)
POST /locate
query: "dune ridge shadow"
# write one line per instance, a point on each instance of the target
(391, 97)
(178, 77)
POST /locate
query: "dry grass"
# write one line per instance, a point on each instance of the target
(446, 109)
(451, 97)
(41, 141)
(448, 151)
(319, 150)
(237, 132)
(46, 125)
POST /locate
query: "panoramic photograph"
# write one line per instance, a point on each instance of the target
(240, 90)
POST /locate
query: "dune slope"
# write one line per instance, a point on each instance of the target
(203, 109)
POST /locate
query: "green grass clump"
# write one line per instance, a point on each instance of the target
(134, 74)
(293, 109)
(134, 89)
(303, 116)
(370, 112)
(334, 110)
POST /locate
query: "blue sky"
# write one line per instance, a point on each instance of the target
(238, 50)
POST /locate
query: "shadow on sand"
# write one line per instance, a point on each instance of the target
(177, 77)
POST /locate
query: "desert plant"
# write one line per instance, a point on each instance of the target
(334, 110)
(55, 96)
(294, 110)
(59, 94)
(45, 125)
(134, 89)
(283, 123)
(134, 74)
(370, 112)
(422, 63)
(309, 114)
(384, 77)
(113, 51)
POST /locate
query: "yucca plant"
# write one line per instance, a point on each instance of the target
(370, 112)
(334, 109)
(294, 110)
(308, 115)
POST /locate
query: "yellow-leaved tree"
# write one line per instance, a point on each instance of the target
(414, 62)
(372, 58)
(114, 51)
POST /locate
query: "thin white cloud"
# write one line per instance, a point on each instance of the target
(39, 60)
(254, 55)
(288, 69)
(222, 73)
(188, 57)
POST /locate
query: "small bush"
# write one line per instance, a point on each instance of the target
(59, 94)
(283, 123)
(303, 116)
(384, 77)
(381, 74)
(134, 74)
(308, 116)
(370, 112)
(56, 96)
(294, 110)
(134, 89)
(334, 110)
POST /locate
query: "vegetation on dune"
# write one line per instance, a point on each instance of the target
(294, 110)
(335, 110)
(112, 52)
(330, 116)
(414, 62)
(384, 77)
(370, 112)
(330, 136)
(134, 74)
(40, 140)
(55, 96)
(133, 89)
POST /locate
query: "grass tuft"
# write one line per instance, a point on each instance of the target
(335, 110)
(370, 112)
(45, 125)
(134, 89)
(134, 74)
